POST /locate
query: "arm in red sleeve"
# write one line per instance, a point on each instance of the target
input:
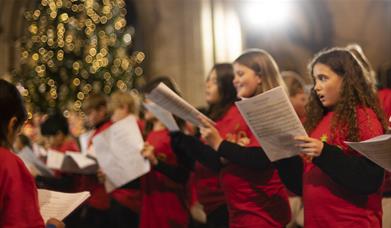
(18, 195)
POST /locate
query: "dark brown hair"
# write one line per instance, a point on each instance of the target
(55, 124)
(226, 90)
(149, 86)
(11, 105)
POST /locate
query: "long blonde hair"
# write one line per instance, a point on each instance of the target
(265, 67)
(125, 99)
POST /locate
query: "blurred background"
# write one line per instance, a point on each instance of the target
(141, 39)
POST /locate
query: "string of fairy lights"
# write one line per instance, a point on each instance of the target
(74, 48)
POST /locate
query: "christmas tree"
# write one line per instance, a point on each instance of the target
(74, 48)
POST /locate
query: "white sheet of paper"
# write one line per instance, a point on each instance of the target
(377, 149)
(71, 162)
(30, 159)
(39, 150)
(91, 152)
(81, 160)
(75, 162)
(59, 204)
(83, 139)
(118, 152)
(167, 99)
(109, 185)
(163, 115)
(55, 159)
(274, 122)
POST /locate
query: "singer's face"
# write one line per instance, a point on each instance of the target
(212, 95)
(299, 101)
(119, 113)
(246, 81)
(327, 85)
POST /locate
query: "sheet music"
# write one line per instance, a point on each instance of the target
(377, 149)
(39, 150)
(75, 162)
(91, 152)
(163, 115)
(109, 185)
(274, 122)
(167, 99)
(83, 139)
(81, 160)
(30, 159)
(54, 159)
(59, 204)
(71, 162)
(118, 152)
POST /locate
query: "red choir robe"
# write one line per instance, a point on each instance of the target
(327, 204)
(163, 200)
(129, 197)
(68, 145)
(19, 207)
(207, 188)
(255, 199)
(99, 198)
(385, 101)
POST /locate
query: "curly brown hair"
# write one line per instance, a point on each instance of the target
(355, 92)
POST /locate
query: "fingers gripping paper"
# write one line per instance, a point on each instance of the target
(274, 122)
(167, 99)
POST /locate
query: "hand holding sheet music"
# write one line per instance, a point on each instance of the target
(118, 153)
(274, 122)
(164, 116)
(377, 149)
(167, 99)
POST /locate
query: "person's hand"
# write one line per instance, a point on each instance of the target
(101, 176)
(210, 134)
(148, 152)
(54, 223)
(197, 213)
(309, 146)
